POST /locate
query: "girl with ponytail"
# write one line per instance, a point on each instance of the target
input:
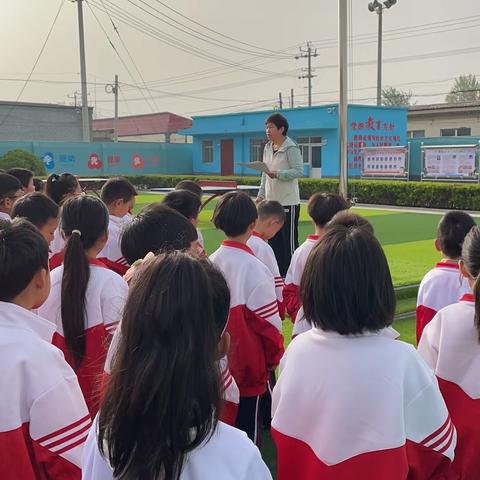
(86, 299)
(450, 344)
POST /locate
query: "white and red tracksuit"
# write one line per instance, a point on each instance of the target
(254, 323)
(450, 346)
(44, 421)
(294, 276)
(105, 297)
(111, 254)
(264, 252)
(359, 407)
(440, 287)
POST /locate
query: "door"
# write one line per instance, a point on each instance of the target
(316, 159)
(226, 157)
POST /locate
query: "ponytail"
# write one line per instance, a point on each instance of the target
(58, 186)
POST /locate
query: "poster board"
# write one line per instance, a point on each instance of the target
(385, 162)
(450, 162)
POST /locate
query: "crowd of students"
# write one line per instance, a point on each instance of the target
(126, 353)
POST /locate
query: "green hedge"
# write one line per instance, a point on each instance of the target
(378, 192)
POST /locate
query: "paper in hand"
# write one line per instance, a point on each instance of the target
(259, 166)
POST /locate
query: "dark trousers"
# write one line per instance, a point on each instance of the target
(285, 242)
(247, 417)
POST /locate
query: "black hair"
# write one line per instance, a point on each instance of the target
(22, 174)
(346, 286)
(9, 185)
(117, 188)
(350, 220)
(279, 121)
(164, 391)
(84, 221)
(38, 184)
(59, 186)
(234, 212)
(323, 206)
(191, 186)
(184, 202)
(271, 209)
(157, 228)
(451, 232)
(36, 208)
(471, 259)
(23, 252)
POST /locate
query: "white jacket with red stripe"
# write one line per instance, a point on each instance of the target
(254, 323)
(105, 297)
(451, 347)
(359, 407)
(43, 417)
(264, 252)
(440, 287)
(294, 276)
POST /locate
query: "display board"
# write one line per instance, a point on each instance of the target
(385, 162)
(455, 162)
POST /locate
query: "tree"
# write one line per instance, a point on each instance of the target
(465, 89)
(395, 97)
(22, 159)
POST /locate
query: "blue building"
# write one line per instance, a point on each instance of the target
(220, 142)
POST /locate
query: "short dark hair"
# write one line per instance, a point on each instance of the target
(323, 206)
(451, 232)
(184, 202)
(279, 121)
(38, 183)
(58, 186)
(23, 252)
(234, 212)
(9, 185)
(346, 286)
(271, 209)
(350, 220)
(191, 186)
(117, 188)
(157, 228)
(36, 207)
(22, 174)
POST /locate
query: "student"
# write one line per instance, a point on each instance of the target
(39, 185)
(444, 285)
(25, 177)
(321, 209)
(254, 324)
(43, 417)
(140, 431)
(10, 191)
(40, 210)
(350, 400)
(450, 345)
(118, 194)
(86, 299)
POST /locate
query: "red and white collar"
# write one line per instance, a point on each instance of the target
(447, 265)
(468, 297)
(91, 261)
(256, 234)
(240, 246)
(313, 237)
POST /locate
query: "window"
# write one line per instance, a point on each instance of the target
(456, 132)
(464, 132)
(415, 133)
(311, 149)
(256, 149)
(207, 151)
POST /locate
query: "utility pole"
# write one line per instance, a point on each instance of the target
(308, 53)
(113, 88)
(343, 105)
(83, 74)
(291, 98)
(280, 100)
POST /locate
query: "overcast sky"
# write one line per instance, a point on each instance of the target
(427, 44)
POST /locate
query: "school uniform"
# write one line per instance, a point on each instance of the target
(441, 286)
(450, 346)
(200, 245)
(43, 417)
(227, 455)
(370, 409)
(294, 276)
(111, 253)
(264, 252)
(58, 242)
(254, 325)
(231, 394)
(5, 216)
(105, 297)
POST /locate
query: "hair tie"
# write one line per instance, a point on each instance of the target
(77, 232)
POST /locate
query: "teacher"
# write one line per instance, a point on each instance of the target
(284, 161)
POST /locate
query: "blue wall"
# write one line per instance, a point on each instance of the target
(91, 159)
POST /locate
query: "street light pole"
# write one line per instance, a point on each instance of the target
(343, 105)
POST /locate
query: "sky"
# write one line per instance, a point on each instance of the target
(216, 56)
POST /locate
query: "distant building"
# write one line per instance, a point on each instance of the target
(444, 120)
(154, 127)
(25, 121)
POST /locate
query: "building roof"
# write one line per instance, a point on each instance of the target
(11, 103)
(444, 108)
(152, 123)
